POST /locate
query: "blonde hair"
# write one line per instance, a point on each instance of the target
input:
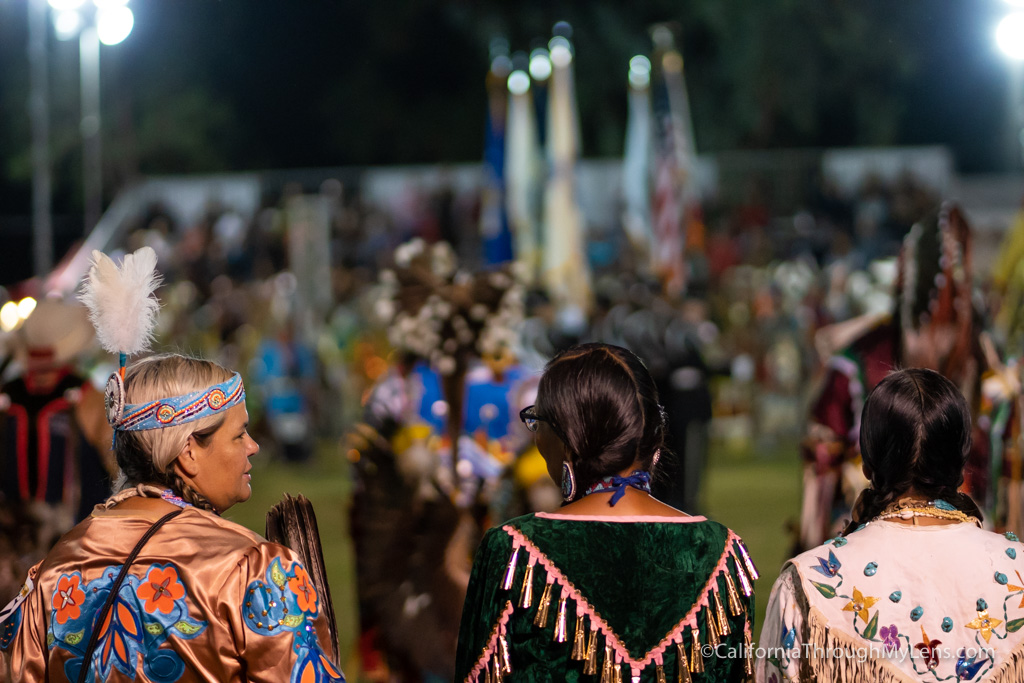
(147, 456)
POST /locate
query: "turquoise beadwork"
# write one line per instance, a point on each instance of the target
(947, 624)
(1010, 536)
(838, 541)
(870, 569)
(916, 613)
(982, 605)
(896, 596)
(1001, 578)
(943, 505)
(1011, 553)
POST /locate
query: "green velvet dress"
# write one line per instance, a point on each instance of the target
(570, 598)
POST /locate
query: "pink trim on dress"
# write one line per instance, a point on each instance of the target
(492, 644)
(630, 518)
(584, 607)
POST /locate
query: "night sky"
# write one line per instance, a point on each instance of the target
(207, 86)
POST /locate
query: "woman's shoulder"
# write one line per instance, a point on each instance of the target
(211, 540)
(897, 542)
(681, 523)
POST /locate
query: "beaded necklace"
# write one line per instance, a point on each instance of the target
(936, 509)
(147, 491)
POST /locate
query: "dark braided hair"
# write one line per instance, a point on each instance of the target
(605, 403)
(915, 434)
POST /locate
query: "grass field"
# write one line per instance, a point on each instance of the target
(754, 494)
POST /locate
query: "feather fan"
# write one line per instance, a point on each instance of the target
(292, 523)
(120, 302)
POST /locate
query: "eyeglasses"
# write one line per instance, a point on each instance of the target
(532, 421)
(530, 418)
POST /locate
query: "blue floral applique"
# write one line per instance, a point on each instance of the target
(10, 616)
(287, 602)
(147, 610)
(830, 566)
(9, 627)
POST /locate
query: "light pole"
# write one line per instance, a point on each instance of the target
(1010, 39)
(94, 22)
(39, 116)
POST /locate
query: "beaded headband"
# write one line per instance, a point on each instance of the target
(169, 412)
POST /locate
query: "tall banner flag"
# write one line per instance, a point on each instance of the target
(674, 190)
(565, 275)
(636, 167)
(523, 168)
(494, 231)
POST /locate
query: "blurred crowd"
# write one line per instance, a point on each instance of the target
(761, 283)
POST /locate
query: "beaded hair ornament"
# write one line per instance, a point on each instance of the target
(123, 310)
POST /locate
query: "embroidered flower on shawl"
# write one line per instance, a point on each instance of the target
(860, 605)
(1013, 589)
(830, 566)
(789, 638)
(929, 650)
(160, 589)
(284, 604)
(131, 632)
(984, 623)
(68, 599)
(890, 637)
(967, 669)
(304, 592)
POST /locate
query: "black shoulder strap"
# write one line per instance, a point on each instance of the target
(87, 660)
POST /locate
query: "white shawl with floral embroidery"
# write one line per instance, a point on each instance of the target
(893, 602)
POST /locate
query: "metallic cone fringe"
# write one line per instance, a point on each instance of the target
(735, 606)
(541, 619)
(748, 660)
(696, 658)
(723, 620)
(510, 572)
(560, 626)
(503, 654)
(590, 668)
(745, 584)
(526, 597)
(606, 668)
(578, 650)
(684, 665)
(751, 569)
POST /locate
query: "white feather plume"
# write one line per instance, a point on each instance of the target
(121, 304)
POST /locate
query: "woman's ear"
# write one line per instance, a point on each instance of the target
(187, 460)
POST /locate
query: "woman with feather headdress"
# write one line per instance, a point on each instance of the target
(155, 584)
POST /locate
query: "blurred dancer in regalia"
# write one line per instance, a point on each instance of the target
(55, 454)
(934, 325)
(440, 431)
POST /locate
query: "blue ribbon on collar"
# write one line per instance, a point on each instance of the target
(638, 479)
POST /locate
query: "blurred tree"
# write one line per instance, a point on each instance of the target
(238, 85)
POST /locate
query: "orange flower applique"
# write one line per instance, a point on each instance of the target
(160, 589)
(68, 599)
(303, 589)
(859, 605)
